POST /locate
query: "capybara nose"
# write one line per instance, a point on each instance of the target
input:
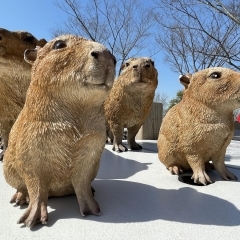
(135, 66)
(94, 54)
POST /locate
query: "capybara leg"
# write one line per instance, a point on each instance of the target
(117, 142)
(86, 201)
(132, 132)
(198, 166)
(223, 171)
(175, 169)
(36, 212)
(37, 208)
(20, 197)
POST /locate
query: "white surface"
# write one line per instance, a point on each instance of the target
(139, 199)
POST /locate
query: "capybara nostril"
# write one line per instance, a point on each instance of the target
(95, 54)
(135, 66)
(147, 65)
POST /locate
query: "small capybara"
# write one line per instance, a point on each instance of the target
(15, 76)
(130, 101)
(57, 140)
(199, 128)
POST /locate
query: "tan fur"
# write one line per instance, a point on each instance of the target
(57, 141)
(15, 75)
(130, 100)
(200, 127)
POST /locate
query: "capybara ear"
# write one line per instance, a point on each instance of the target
(30, 55)
(185, 79)
(41, 42)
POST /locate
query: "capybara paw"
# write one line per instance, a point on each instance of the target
(175, 170)
(119, 148)
(201, 177)
(89, 207)
(36, 212)
(227, 175)
(135, 146)
(20, 198)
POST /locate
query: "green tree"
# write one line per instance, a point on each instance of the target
(176, 100)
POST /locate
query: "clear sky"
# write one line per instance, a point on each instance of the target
(39, 17)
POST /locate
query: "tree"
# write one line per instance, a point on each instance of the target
(191, 41)
(176, 100)
(116, 24)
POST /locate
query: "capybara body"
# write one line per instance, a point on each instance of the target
(199, 128)
(15, 76)
(56, 142)
(130, 101)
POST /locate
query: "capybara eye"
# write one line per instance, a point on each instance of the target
(215, 75)
(152, 62)
(94, 54)
(29, 39)
(59, 44)
(127, 64)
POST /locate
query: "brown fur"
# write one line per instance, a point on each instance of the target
(57, 141)
(130, 100)
(15, 75)
(200, 127)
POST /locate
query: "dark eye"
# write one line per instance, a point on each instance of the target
(59, 44)
(29, 39)
(215, 75)
(94, 54)
(152, 62)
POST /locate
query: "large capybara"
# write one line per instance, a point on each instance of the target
(15, 76)
(130, 100)
(56, 142)
(201, 126)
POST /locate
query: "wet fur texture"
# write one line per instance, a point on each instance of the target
(15, 76)
(201, 126)
(130, 101)
(56, 142)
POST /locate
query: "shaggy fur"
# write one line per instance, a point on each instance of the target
(201, 126)
(15, 75)
(130, 100)
(56, 142)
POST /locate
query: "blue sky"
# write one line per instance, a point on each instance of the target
(39, 17)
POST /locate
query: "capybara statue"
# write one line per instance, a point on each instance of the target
(130, 100)
(57, 140)
(15, 76)
(199, 128)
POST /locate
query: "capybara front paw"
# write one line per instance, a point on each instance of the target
(36, 212)
(20, 197)
(89, 207)
(201, 177)
(119, 148)
(135, 146)
(175, 170)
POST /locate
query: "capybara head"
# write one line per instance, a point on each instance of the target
(139, 70)
(13, 44)
(69, 61)
(215, 87)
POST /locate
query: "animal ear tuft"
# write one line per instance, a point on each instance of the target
(185, 80)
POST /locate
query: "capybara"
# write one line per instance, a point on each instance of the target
(15, 76)
(130, 100)
(57, 140)
(199, 128)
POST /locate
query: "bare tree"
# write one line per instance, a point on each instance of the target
(116, 24)
(195, 36)
(162, 98)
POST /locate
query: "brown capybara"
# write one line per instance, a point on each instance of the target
(130, 100)
(15, 76)
(57, 140)
(201, 126)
